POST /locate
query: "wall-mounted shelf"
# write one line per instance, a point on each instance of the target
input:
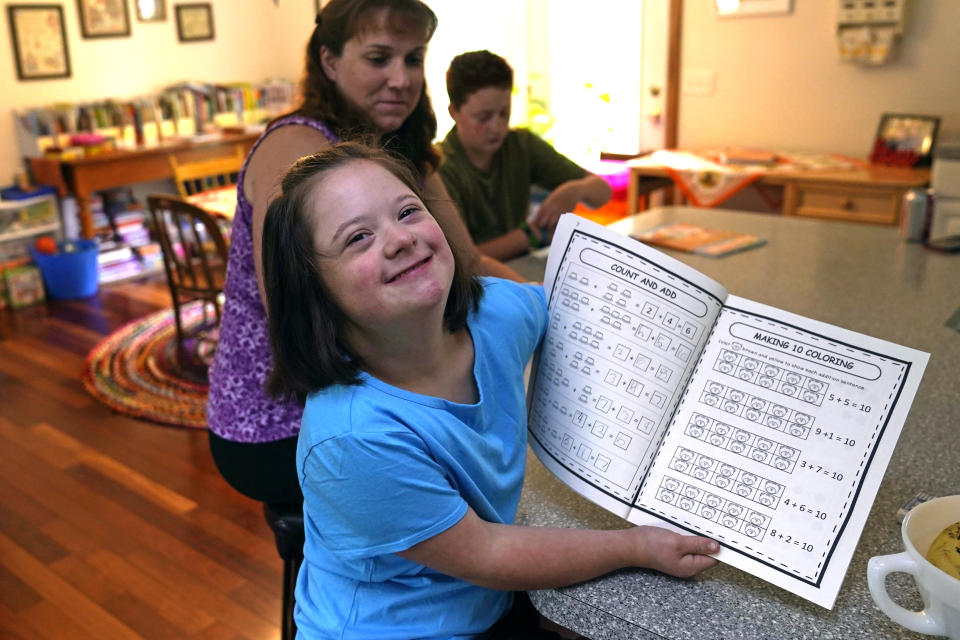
(871, 13)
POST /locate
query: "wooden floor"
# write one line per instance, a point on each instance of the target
(111, 527)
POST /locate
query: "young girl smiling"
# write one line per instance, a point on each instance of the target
(413, 443)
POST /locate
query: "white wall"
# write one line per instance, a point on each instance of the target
(568, 75)
(500, 28)
(780, 83)
(595, 69)
(255, 40)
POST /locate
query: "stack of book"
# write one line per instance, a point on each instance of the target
(127, 249)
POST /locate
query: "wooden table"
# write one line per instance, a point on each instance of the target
(864, 278)
(221, 202)
(868, 193)
(83, 176)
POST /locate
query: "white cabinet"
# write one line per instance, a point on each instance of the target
(23, 219)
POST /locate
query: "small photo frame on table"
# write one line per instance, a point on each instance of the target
(39, 41)
(905, 140)
(194, 21)
(103, 18)
(151, 10)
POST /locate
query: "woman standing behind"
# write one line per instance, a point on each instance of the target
(364, 78)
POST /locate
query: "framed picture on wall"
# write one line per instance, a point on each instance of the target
(151, 10)
(194, 21)
(103, 18)
(39, 41)
(905, 140)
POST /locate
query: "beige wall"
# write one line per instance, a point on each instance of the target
(781, 85)
(255, 40)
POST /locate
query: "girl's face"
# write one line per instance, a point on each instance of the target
(380, 72)
(383, 258)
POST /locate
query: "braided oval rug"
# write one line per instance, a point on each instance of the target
(135, 370)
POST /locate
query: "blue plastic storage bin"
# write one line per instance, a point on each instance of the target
(68, 275)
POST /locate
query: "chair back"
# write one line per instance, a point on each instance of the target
(203, 175)
(194, 250)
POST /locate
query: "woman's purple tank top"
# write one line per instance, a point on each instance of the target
(238, 408)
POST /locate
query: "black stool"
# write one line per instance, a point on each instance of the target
(286, 521)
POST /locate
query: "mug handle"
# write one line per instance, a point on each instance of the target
(877, 569)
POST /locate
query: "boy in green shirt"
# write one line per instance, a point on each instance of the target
(488, 168)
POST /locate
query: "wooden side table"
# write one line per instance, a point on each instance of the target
(83, 176)
(870, 193)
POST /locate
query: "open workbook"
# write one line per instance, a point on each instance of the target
(668, 401)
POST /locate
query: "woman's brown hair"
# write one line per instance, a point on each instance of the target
(338, 22)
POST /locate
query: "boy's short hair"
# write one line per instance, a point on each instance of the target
(309, 348)
(475, 70)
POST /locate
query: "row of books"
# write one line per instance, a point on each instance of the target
(177, 111)
(127, 248)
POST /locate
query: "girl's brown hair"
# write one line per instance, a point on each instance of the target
(310, 351)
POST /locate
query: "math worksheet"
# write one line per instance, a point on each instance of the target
(668, 401)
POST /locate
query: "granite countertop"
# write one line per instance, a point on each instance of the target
(861, 277)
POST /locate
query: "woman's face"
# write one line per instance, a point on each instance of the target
(380, 72)
(383, 257)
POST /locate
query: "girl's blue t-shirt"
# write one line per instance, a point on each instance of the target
(383, 469)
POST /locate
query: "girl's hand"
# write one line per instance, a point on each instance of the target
(674, 554)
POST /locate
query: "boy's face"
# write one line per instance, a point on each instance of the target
(483, 121)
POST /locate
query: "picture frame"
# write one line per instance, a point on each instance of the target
(151, 10)
(103, 18)
(39, 41)
(737, 8)
(905, 140)
(194, 21)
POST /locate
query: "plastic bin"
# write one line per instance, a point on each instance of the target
(68, 275)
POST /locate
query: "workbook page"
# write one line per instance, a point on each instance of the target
(626, 326)
(779, 444)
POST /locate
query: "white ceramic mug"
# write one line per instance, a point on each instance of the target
(941, 592)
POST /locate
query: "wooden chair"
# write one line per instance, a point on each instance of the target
(195, 260)
(203, 175)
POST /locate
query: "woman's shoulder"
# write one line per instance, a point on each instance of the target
(279, 149)
(293, 139)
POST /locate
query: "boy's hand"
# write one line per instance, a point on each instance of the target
(544, 234)
(563, 199)
(674, 554)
